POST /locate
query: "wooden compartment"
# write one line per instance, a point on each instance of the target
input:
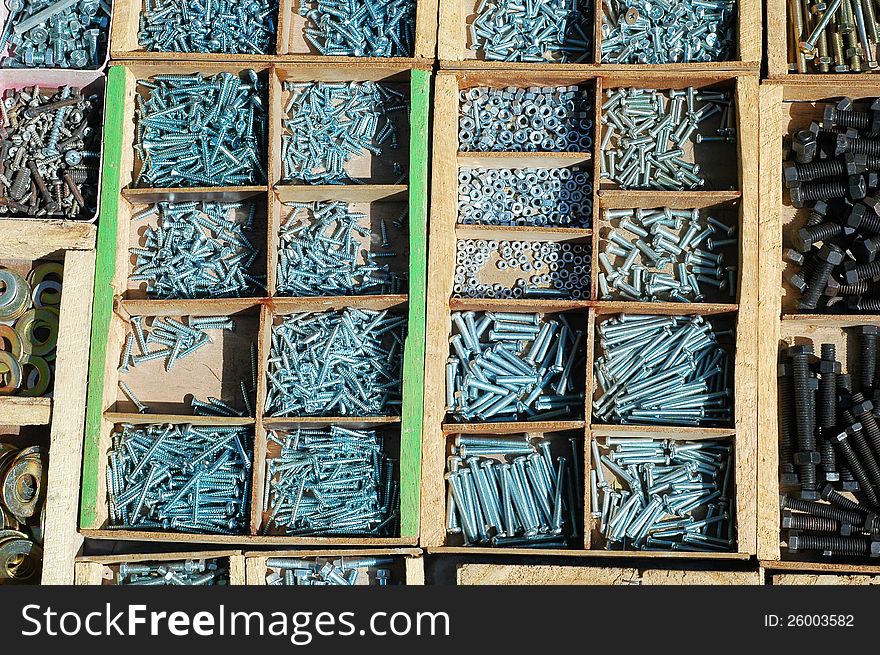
(103, 570)
(219, 367)
(72, 244)
(454, 46)
(805, 574)
(557, 574)
(738, 312)
(408, 567)
(783, 106)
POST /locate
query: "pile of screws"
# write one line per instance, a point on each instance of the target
(29, 329)
(62, 34)
(667, 255)
(193, 130)
(525, 196)
(22, 512)
(557, 270)
(320, 253)
(178, 340)
(177, 573)
(342, 571)
(507, 366)
(646, 131)
(829, 435)
(49, 152)
(547, 119)
(380, 28)
(532, 500)
(643, 32)
(184, 478)
(216, 26)
(327, 125)
(839, 36)
(552, 30)
(198, 250)
(331, 481)
(665, 370)
(664, 494)
(832, 170)
(345, 363)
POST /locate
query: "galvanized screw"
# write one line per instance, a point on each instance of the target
(380, 28)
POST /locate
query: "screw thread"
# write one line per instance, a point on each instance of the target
(851, 118)
(821, 168)
(824, 190)
(823, 509)
(866, 457)
(868, 147)
(816, 286)
(867, 305)
(824, 231)
(786, 424)
(858, 471)
(814, 523)
(838, 499)
(836, 544)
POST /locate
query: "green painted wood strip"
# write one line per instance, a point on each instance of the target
(102, 308)
(414, 354)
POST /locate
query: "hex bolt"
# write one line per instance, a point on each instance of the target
(813, 508)
(833, 545)
(829, 256)
(792, 521)
(855, 188)
(854, 464)
(826, 398)
(806, 458)
(787, 420)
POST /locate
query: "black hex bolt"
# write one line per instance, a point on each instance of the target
(829, 256)
(821, 509)
(848, 164)
(855, 188)
(828, 368)
(842, 115)
(806, 458)
(868, 362)
(841, 442)
(863, 304)
(834, 497)
(786, 425)
(863, 410)
(832, 544)
(792, 521)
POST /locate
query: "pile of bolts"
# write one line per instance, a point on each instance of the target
(829, 433)
(342, 571)
(833, 171)
(839, 36)
(190, 572)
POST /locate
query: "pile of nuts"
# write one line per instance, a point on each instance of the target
(555, 270)
(829, 437)
(331, 481)
(22, 512)
(183, 478)
(328, 125)
(216, 26)
(190, 572)
(343, 363)
(644, 32)
(342, 571)
(49, 153)
(663, 494)
(512, 366)
(197, 250)
(62, 34)
(531, 500)
(839, 36)
(177, 340)
(194, 131)
(833, 171)
(550, 30)
(379, 28)
(29, 329)
(320, 252)
(664, 370)
(668, 255)
(646, 133)
(546, 119)
(554, 197)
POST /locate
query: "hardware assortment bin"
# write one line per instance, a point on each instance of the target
(819, 574)
(57, 421)
(555, 574)
(785, 106)
(103, 569)
(221, 366)
(408, 567)
(454, 43)
(740, 200)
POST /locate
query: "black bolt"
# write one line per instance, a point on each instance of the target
(858, 272)
(830, 544)
(804, 143)
(870, 147)
(828, 369)
(862, 304)
(818, 213)
(841, 441)
(804, 239)
(830, 256)
(853, 188)
(835, 288)
(830, 494)
(868, 360)
(786, 425)
(863, 451)
(865, 250)
(805, 417)
(792, 521)
(863, 215)
(842, 115)
(849, 164)
(821, 509)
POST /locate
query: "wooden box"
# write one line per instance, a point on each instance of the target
(785, 106)
(59, 418)
(454, 44)
(739, 311)
(551, 574)
(290, 42)
(118, 298)
(408, 566)
(804, 574)
(102, 570)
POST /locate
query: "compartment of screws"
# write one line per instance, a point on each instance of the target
(511, 366)
(336, 570)
(669, 255)
(655, 494)
(840, 36)
(50, 153)
(180, 478)
(170, 573)
(204, 365)
(669, 139)
(530, 119)
(332, 480)
(664, 370)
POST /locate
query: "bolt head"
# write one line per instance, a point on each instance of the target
(825, 367)
(840, 437)
(802, 240)
(875, 546)
(857, 186)
(794, 541)
(790, 174)
(847, 530)
(832, 254)
(797, 197)
(850, 275)
(786, 519)
(808, 494)
(864, 407)
(869, 330)
(833, 286)
(855, 216)
(801, 349)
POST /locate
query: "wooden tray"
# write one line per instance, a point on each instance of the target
(407, 561)
(102, 570)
